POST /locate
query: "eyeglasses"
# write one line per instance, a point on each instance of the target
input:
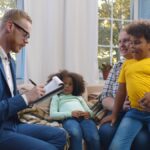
(26, 34)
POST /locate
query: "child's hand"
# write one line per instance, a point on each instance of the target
(86, 115)
(126, 105)
(145, 102)
(76, 113)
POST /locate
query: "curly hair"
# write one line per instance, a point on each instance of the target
(77, 79)
(140, 28)
(61, 75)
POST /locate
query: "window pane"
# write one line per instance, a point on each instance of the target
(121, 9)
(117, 26)
(103, 55)
(104, 32)
(104, 9)
(6, 4)
(113, 15)
(116, 55)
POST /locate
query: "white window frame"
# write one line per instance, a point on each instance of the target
(111, 19)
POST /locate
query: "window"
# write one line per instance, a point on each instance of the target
(19, 58)
(7, 4)
(112, 15)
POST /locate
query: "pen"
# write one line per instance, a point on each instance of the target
(32, 82)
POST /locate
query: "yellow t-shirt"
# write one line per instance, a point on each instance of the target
(136, 75)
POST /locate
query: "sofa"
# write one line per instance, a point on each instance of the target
(39, 112)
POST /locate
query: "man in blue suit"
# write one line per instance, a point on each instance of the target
(14, 33)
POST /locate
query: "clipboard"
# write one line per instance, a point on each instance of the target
(55, 86)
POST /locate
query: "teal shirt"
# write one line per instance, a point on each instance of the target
(62, 106)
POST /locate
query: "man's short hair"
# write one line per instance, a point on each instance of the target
(15, 15)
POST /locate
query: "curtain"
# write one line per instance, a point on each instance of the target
(64, 36)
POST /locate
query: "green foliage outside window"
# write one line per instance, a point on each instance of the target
(113, 15)
(6, 4)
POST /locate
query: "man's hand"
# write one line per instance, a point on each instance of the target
(110, 118)
(35, 93)
(145, 102)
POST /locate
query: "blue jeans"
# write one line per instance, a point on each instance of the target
(79, 129)
(129, 127)
(107, 132)
(32, 137)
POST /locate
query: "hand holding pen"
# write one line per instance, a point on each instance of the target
(35, 93)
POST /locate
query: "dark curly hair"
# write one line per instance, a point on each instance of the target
(77, 79)
(140, 28)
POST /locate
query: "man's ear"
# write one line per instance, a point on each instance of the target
(9, 26)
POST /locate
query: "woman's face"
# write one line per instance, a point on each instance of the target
(124, 44)
(68, 85)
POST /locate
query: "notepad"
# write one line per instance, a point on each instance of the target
(55, 86)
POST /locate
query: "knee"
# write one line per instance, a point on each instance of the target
(93, 138)
(75, 133)
(115, 146)
(106, 130)
(64, 135)
(142, 140)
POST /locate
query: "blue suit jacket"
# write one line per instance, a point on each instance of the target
(9, 106)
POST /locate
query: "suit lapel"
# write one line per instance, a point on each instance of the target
(3, 74)
(12, 68)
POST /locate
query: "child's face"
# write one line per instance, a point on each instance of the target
(68, 85)
(140, 47)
